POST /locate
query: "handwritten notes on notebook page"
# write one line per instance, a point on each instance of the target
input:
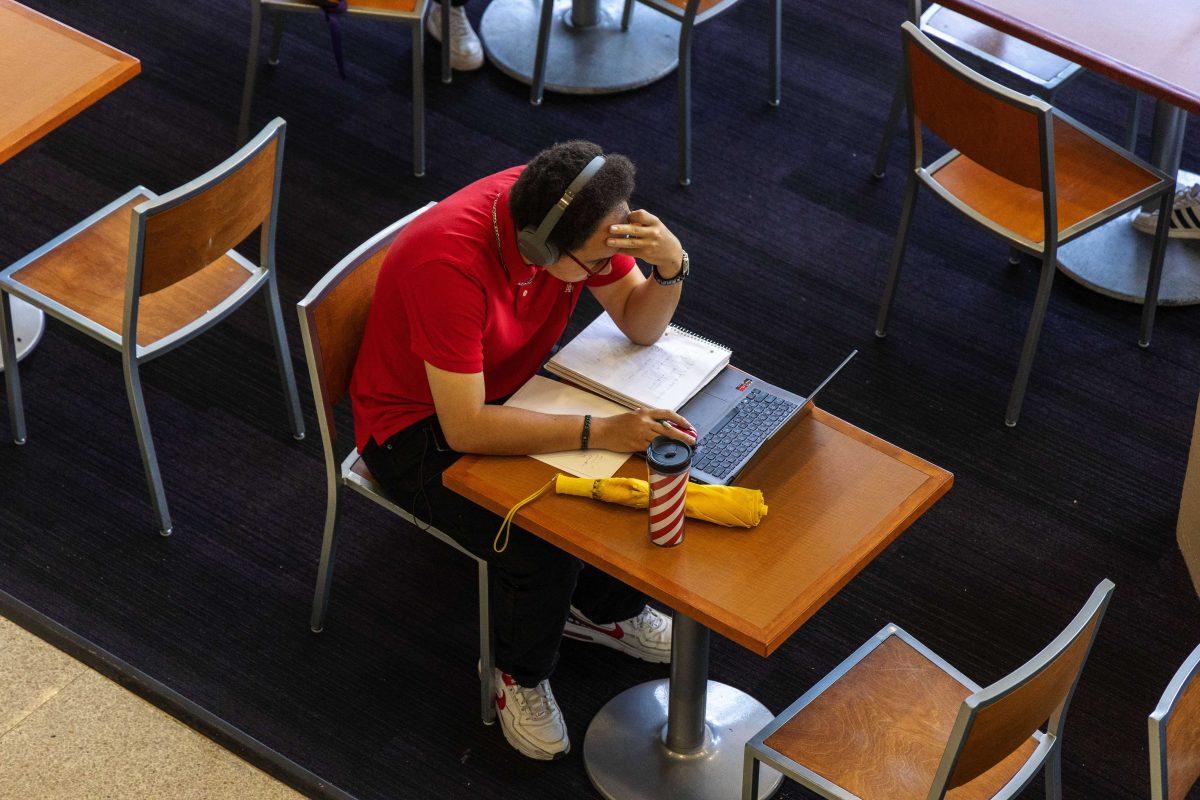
(554, 397)
(665, 374)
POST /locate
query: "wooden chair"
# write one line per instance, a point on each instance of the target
(409, 12)
(689, 13)
(333, 317)
(897, 722)
(147, 273)
(1175, 735)
(1044, 73)
(1022, 170)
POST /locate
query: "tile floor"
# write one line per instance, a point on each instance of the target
(67, 732)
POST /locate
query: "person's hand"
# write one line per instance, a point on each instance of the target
(632, 432)
(644, 236)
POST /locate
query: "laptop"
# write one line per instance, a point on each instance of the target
(735, 415)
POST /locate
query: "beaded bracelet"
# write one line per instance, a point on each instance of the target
(587, 432)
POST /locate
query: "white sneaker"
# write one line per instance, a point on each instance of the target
(646, 636)
(530, 719)
(1185, 216)
(466, 51)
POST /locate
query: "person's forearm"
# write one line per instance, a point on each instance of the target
(648, 310)
(506, 431)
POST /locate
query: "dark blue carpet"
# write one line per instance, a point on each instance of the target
(788, 239)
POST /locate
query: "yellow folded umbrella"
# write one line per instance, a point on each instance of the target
(733, 506)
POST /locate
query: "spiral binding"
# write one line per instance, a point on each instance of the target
(699, 338)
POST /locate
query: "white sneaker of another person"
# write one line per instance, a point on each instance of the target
(466, 51)
(1185, 216)
(646, 636)
(530, 719)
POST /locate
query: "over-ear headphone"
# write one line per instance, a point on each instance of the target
(532, 241)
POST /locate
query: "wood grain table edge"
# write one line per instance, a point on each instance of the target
(762, 640)
(1101, 63)
(125, 67)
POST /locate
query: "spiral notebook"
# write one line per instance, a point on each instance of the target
(665, 374)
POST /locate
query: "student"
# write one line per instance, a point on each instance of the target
(466, 51)
(460, 320)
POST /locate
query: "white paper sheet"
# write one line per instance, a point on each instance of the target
(554, 397)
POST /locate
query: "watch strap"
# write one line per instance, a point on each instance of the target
(679, 276)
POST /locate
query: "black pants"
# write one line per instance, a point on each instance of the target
(533, 582)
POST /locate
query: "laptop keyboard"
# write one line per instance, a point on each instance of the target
(745, 427)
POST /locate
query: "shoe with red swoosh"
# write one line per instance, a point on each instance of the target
(530, 719)
(646, 636)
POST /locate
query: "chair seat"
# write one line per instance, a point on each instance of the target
(356, 474)
(1090, 177)
(1016, 55)
(86, 274)
(376, 6)
(879, 731)
(359, 468)
(678, 8)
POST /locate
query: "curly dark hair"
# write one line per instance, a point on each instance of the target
(550, 172)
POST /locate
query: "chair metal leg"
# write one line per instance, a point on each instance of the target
(1133, 121)
(487, 659)
(537, 88)
(418, 100)
(447, 72)
(750, 769)
(325, 565)
(1049, 267)
(277, 23)
(889, 128)
(776, 52)
(627, 15)
(685, 104)
(1014, 255)
(243, 131)
(12, 378)
(141, 427)
(1054, 773)
(283, 355)
(1154, 277)
(889, 290)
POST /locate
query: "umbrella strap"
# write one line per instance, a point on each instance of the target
(500, 543)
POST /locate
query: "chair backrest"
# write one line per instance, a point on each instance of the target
(1002, 130)
(183, 231)
(996, 720)
(333, 317)
(1175, 734)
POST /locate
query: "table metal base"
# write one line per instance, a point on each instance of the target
(627, 758)
(1115, 258)
(28, 325)
(597, 59)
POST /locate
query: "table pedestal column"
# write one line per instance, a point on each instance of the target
(1114, 259)
(682, 738)
(28, 325)
(588, 52)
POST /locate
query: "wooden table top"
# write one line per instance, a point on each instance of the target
(51, 73)
(837, 496)
(1150, 46)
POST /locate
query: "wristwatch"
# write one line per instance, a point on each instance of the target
(684, 270)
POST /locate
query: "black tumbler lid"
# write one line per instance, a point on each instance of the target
(668, 456)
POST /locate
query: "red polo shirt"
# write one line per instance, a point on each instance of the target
(443, 296)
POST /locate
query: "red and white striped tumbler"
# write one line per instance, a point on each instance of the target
(669, 463)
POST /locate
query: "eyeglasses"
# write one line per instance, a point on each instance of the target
(602, 267)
